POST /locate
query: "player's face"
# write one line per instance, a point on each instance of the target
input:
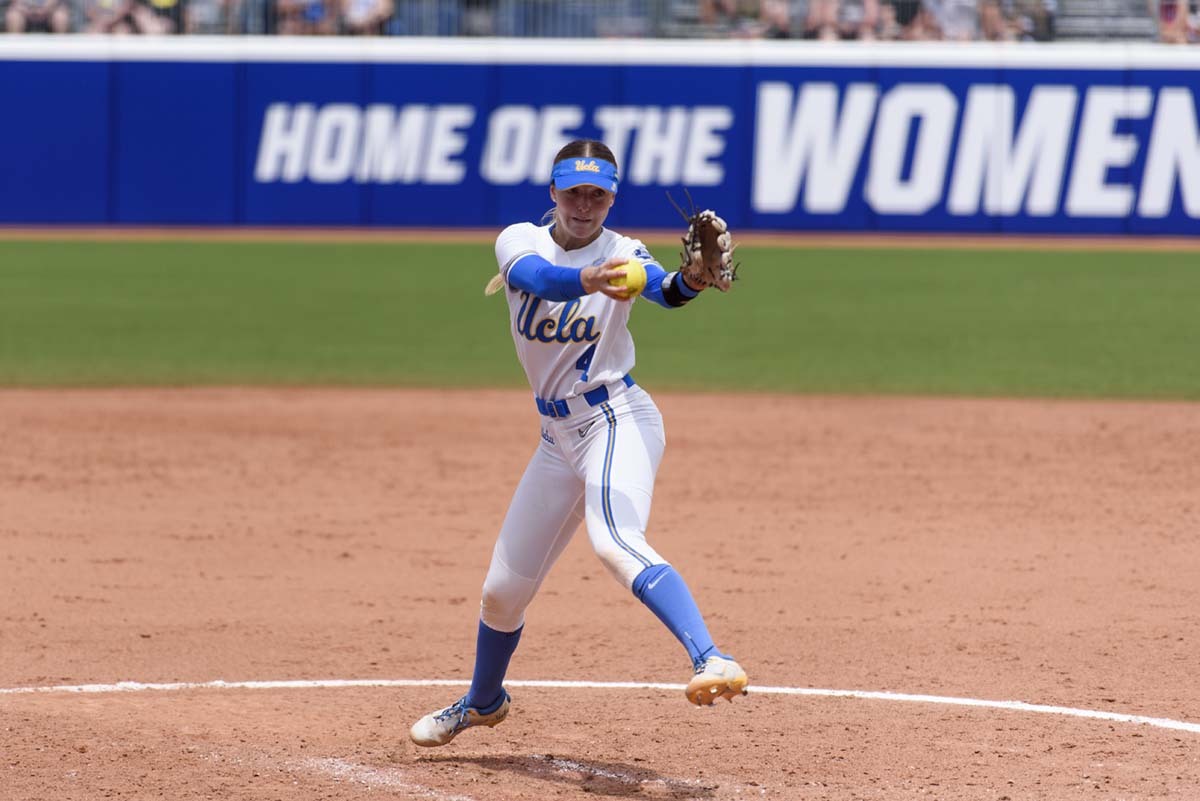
(582, 210)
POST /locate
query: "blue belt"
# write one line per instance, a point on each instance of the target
(559, 408)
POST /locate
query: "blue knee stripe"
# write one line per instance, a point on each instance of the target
(646, 577)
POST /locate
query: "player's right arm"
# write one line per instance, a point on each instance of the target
(522, 268)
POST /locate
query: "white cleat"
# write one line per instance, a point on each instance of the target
(719, 677)
(439, 728)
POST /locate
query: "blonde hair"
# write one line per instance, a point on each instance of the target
(495, 285)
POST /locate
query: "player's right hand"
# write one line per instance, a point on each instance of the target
(596, 278)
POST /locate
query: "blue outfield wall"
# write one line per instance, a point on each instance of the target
(778, 136)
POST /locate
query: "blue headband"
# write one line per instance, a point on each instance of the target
(587, 170)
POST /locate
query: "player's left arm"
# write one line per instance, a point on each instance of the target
(668, 290)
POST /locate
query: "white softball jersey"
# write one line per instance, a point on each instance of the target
(568, 347)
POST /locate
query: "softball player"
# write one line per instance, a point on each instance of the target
(601, 442)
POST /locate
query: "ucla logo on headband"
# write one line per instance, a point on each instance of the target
(575, 171)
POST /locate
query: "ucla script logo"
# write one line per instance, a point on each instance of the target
(567, 327)
(586, 166)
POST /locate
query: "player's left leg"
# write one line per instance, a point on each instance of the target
(620, 464)
(545, 511)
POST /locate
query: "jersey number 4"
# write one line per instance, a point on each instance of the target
(585, 361)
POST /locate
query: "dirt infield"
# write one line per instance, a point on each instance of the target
(990, 550)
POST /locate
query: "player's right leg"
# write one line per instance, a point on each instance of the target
(543, 515)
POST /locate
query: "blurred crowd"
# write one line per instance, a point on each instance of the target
(913, 20)
(920, 20)
(230, 17)
(1178, 20)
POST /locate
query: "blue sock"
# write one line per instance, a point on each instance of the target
(493, 650)
(662, 589)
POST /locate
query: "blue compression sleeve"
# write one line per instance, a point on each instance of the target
(542, 279)
(666, 289)
(664, 591)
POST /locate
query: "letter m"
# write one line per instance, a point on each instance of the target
(393, 146)
(1007, 169)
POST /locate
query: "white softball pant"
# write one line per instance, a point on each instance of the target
(596, 465)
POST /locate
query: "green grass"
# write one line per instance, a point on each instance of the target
(1010, 323)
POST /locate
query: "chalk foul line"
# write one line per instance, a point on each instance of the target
(383, 778)
(333, 684)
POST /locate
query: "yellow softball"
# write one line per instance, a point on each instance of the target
(634, 278)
